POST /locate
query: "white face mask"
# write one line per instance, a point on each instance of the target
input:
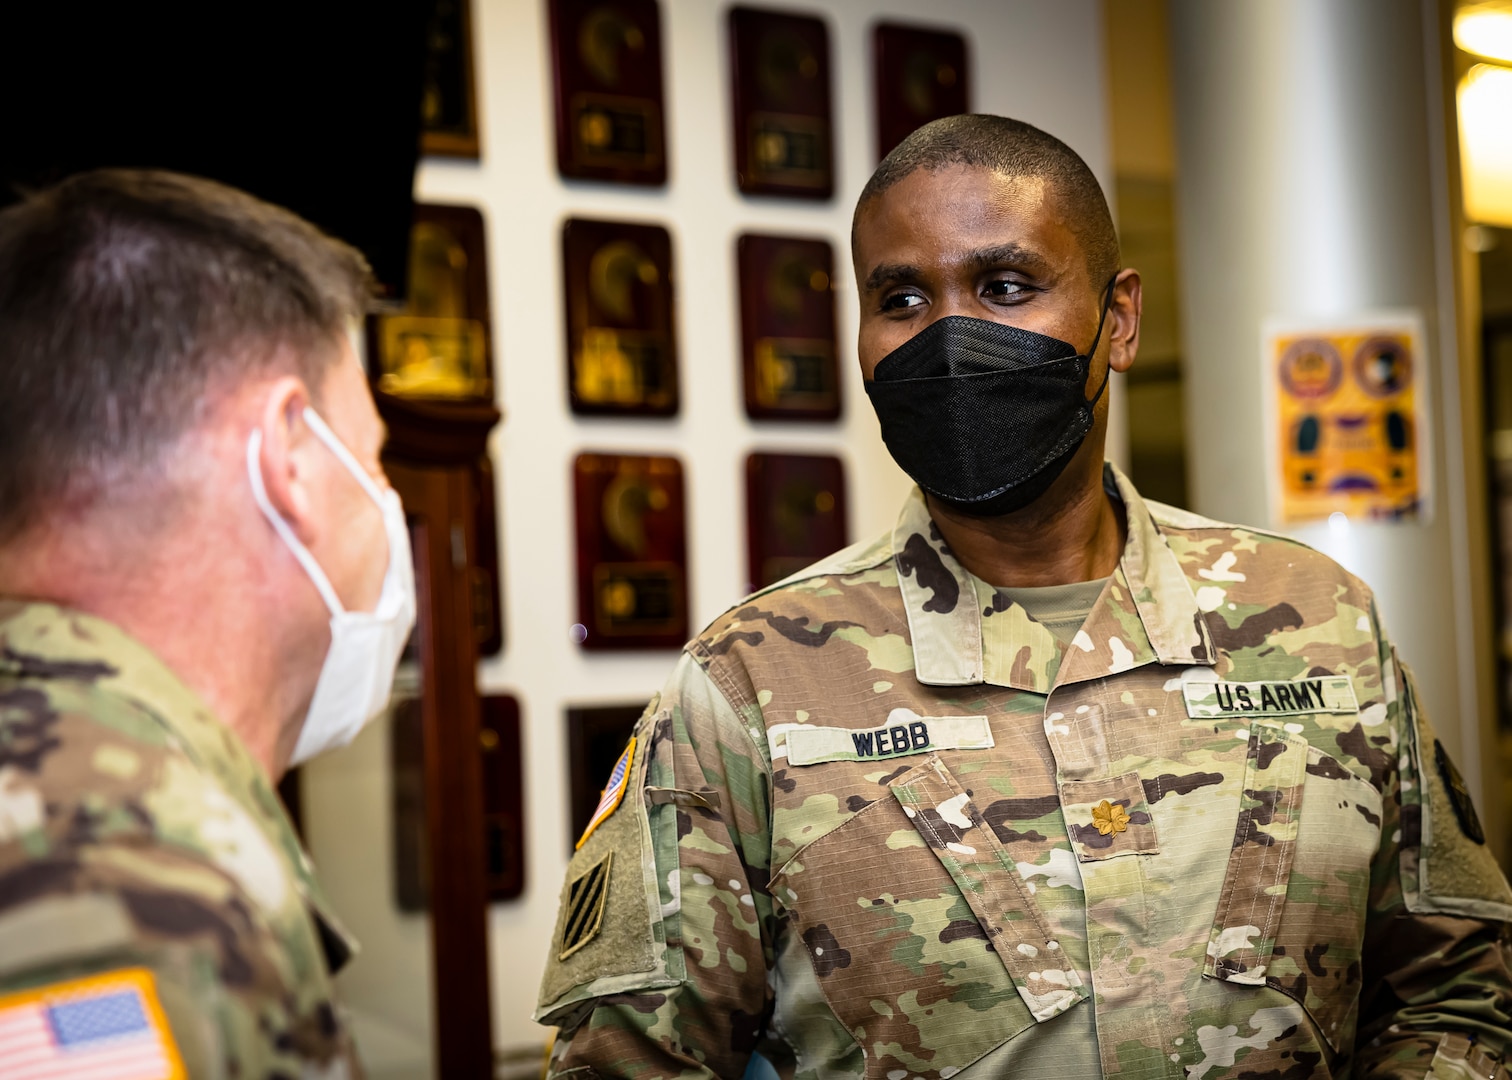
(358, 672)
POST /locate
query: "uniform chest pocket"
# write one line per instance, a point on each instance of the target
(924, 942)
(1292, 911)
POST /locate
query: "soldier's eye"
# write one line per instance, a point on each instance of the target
(901, 301)
(1003, 289)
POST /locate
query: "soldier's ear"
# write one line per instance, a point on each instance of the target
(285, 458)
(1124, 315)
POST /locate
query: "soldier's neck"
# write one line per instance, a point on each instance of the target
(1074, 532)
(186, 599)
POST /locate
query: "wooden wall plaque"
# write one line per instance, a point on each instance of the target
(449, 100)
(787, 328)
(596, 736)
(503, 797)
(438, 348)
(487, 581)
(795, 513)
(921, 75)
(607, 63)
(631, 551)
(784, 130)
(503, 836)
(621, 340)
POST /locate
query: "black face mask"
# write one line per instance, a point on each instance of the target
(984, 416)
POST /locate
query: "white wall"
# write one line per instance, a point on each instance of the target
(1038, 61)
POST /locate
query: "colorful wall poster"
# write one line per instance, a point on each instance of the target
(1348, 421)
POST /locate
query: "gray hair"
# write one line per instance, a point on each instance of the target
(128, 299)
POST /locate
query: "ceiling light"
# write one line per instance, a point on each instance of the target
(1485, 103)
(1486, 30)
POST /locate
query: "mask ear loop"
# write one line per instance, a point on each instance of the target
(1101, 319)
(324, 433)
(280, 526)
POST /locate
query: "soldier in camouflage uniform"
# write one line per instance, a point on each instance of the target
(1031, 795)
(160, 643)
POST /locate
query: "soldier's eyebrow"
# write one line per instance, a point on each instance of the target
(884, 275)
(1009, 257)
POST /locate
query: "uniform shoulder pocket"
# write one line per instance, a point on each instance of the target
(611, 933)
(1446, 866)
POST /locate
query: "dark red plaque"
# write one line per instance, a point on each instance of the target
(503, 800)
(606, 58)
(438, 347)
(784, 133)
(503, 797)
(596, 737)
(631, 552)
(621, 348)
(787, 328)
(449, 100)
(795, 513)
(487, 582)
(921, 76)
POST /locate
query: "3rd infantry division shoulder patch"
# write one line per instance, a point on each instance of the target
(1459, 794)
(584, 916)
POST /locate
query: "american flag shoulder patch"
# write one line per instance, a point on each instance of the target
(104, 1027)
(614, 793)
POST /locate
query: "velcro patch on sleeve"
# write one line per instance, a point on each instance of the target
(1459, 873)
(104, 1025)
(1446, 866)
(1296, 697)
(610, 935)
(904, 733)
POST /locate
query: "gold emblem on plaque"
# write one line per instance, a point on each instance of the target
(624, 367)
(434, 350)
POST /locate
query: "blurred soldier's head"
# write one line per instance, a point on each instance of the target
(992, 309)
(188, 446)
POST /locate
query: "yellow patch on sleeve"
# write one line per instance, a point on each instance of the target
(82, 1029)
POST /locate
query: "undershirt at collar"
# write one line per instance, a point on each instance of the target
(1061, 609)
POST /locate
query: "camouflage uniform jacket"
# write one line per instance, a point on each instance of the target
(138, 836)
(882, 824)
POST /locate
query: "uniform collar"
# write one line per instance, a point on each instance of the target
(43, 641)
(1147, 612)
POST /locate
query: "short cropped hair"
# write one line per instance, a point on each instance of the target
(128, 300)
(1013, 148)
